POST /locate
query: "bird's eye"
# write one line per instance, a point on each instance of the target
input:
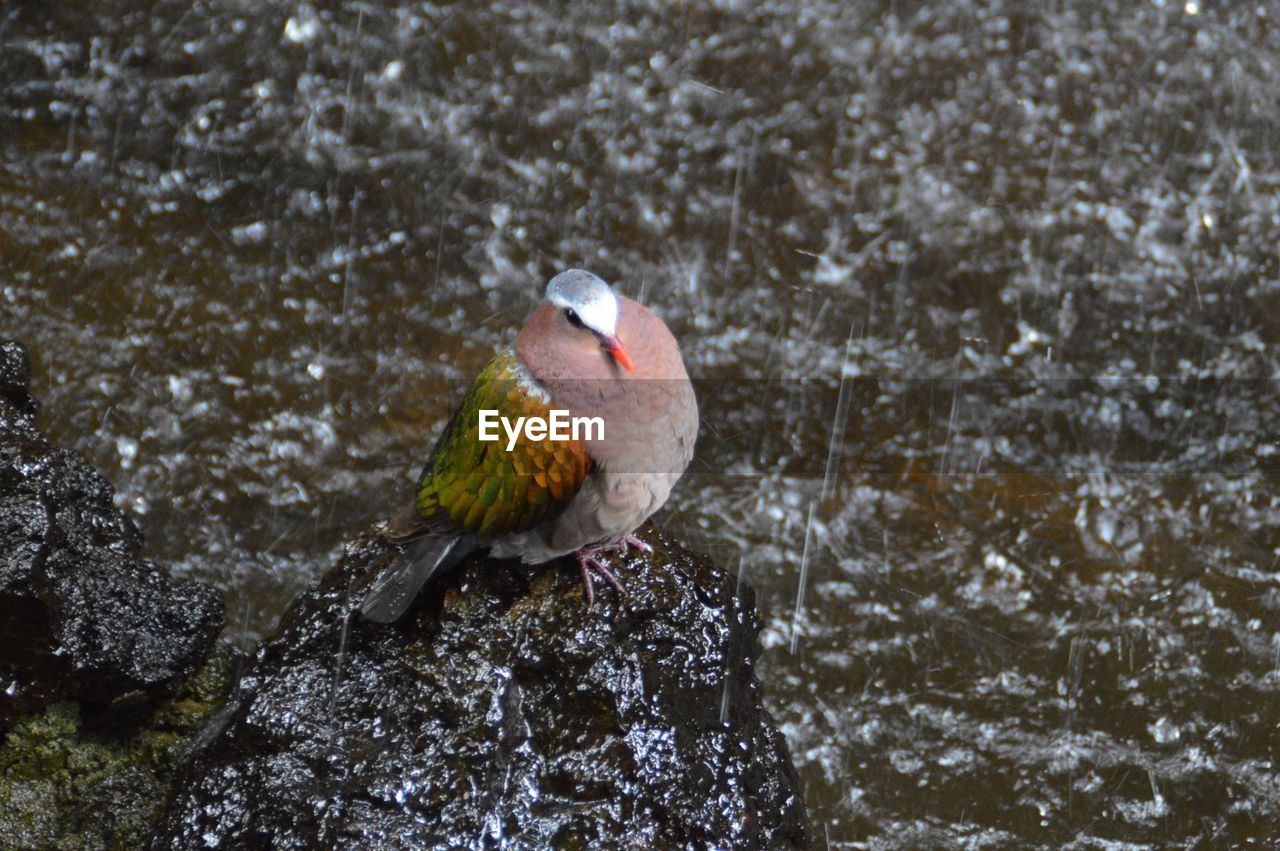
(572, 316)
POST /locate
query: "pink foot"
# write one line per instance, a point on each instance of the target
(635, 542)
(588, 562)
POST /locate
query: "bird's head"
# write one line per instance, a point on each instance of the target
(587, 305)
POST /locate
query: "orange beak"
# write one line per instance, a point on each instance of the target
(613, 346)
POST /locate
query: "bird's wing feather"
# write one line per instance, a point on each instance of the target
(482, 488)
(472, 489)
(405, 525)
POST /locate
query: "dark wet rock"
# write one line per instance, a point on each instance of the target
(85, 617)
(15, 377)
(501, 711)
(75, 777)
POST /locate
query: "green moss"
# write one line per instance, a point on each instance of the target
(72, 780)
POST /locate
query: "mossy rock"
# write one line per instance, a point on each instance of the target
(77, 776)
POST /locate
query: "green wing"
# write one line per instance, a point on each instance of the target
(479, 487)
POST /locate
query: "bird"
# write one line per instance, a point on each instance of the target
(585, 350)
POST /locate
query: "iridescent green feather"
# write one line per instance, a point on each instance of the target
(478, 486)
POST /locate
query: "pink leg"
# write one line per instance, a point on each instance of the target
(635, 542)
(620, 546)
(587, 562)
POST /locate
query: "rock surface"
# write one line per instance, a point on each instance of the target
(85, 617)
(15, 378)
(80, 778)
(501, 712)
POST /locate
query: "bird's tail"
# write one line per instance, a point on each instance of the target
(399, 583)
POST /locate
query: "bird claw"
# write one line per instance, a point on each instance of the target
(588, 562)
(632, 540)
